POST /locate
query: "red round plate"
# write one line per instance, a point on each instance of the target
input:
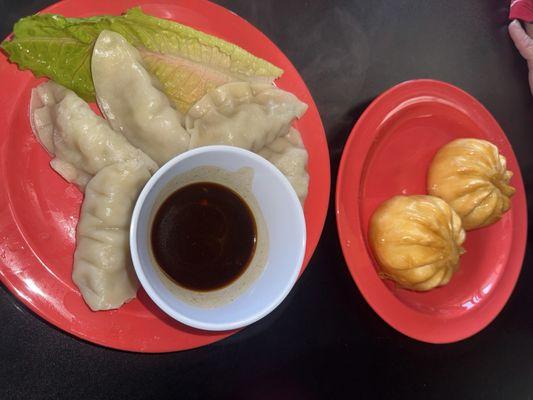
(39, 210)
(388, 153)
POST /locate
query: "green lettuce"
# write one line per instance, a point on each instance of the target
(187, 62)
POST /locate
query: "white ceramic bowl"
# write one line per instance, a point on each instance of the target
(284, 220)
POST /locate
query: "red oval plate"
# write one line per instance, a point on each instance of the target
(388, 153)
(39, 211)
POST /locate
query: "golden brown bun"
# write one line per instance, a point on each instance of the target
(416, 241)
(472, 177)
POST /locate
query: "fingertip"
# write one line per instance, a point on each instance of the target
(514, 25)
(522, 41)
(515, 30)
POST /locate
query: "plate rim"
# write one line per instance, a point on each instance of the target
(519, 231)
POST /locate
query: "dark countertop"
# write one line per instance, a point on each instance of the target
(324, 341)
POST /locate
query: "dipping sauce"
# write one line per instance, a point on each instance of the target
(204, 236)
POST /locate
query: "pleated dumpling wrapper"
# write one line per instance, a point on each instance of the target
(102, 269)
(288, 154)
(131, 101)
(81, 142)
(416, 241)
(472, 176)
(242, 114)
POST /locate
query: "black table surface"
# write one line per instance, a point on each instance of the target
(324, 341)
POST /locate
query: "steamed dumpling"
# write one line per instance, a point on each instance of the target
(416, 241)
(289, 155)
(472, 177)
(131, 101)
(103, 270)
(242, 114)
(82, 142)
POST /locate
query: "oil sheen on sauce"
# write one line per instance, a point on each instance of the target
(203, 236)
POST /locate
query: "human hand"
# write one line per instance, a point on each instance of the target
(523, 40)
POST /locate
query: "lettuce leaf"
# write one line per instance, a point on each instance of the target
(56, 47)
(187, 62)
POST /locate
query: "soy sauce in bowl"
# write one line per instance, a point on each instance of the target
(204, 236)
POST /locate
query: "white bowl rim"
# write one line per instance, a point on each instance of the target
(158, 300)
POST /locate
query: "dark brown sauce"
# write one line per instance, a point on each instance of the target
(203, 236)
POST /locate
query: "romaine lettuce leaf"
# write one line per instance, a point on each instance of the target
(56, 47)
(187, 62)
